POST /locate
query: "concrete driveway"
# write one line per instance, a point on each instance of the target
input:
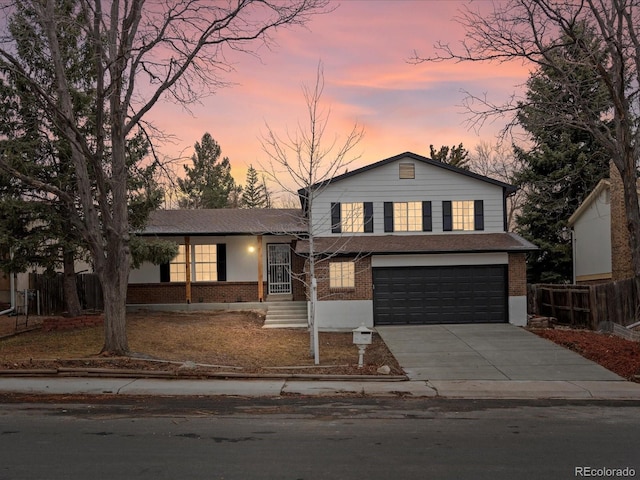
(496, 352)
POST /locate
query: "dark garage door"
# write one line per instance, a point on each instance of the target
(431, 295)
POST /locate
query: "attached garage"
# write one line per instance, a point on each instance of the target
(440, 294)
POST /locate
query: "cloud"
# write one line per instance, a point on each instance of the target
(364, 47)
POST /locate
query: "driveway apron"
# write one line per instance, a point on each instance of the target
(485, 352)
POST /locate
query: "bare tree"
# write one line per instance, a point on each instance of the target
(142, 52)
(301, 163)
(499, 162)
(536, 32)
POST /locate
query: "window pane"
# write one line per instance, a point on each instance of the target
(341, 275)
(352, 216)
(399, 217)
(205, 267)
(462, 212)
(177, 267)
(407, 216)
(414, 216)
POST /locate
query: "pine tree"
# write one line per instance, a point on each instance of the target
(563, 166)
(454, 156)
(208, 184)
(255, 193)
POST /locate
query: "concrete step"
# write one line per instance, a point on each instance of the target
(279, 297)
(286, 315)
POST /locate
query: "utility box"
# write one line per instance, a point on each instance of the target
(362, 335)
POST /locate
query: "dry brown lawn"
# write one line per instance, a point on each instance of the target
(230, 341)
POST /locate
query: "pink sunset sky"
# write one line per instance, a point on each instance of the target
(364, 46)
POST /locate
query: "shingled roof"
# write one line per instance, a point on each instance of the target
(398, 244)
(225, 221)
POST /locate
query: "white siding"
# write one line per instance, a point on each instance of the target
(518, 311)
(382, 184)
(242, 264)
(147, 273)
(592, 239)
(344, 314)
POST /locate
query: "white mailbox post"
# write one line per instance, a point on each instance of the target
(362, 336)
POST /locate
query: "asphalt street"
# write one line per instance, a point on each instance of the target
(314, 438)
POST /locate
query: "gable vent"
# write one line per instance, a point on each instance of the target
(407, 170)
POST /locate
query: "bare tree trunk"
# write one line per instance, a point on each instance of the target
(632, 211)
(69, 286)
(114, 289)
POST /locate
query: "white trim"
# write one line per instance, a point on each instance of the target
(518, 311)
(437, 260)
(332, 315)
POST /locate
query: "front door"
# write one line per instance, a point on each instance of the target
(279, 268)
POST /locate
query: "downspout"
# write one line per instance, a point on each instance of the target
(187, 268)
(13, 295)
(573, 255)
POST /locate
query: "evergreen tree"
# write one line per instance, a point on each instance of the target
(563, 166)
(255, 193)
(37, 228)
(454, 156)
(208, 184)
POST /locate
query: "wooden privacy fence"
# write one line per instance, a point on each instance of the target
(49, 292)
(587, 306)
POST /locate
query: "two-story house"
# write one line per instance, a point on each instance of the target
(406, 240)
(409, 240)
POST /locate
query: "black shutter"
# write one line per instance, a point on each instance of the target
(368, 217)
(388, 216)
(336, 226)
(426, 217)
(165, 272)
(222, 262)
(447, 220)
(478, 214)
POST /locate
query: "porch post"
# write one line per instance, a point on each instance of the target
(260, 272)
(187, 260)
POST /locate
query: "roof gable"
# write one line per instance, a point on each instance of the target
(414, 157)
(602, 186)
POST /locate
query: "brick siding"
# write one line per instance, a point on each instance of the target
(517, 276)
(363, 284)
(621, 267)
(201, 292)
(297, 285)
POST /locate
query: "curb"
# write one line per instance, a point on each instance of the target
(167, 375)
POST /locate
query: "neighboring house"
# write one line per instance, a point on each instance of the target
(600, 240)
(406, 240)
(591, 236)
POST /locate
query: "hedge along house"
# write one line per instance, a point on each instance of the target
(409, 240)
(225, 256)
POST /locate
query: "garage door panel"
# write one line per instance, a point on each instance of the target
(432, 295)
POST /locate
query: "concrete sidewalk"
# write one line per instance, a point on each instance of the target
(476, 389)
(216, 387)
